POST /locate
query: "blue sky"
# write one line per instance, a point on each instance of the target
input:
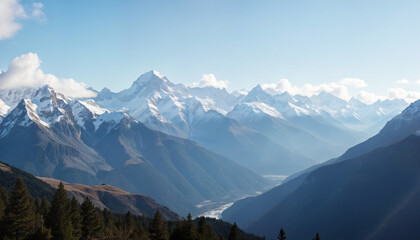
(110, 43)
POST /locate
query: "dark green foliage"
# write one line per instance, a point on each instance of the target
(42, 233)
(158, 229)
(234, 232)
(185, 230)
(177, 232)
(18, 221)
(128, 226)
(59, 215)
(4, 197)
(282, 235)
(317, 237)
(222, 229)
(76, 218)
(45, 207)
(189, 230)
(205, 231)
(110, 230)
(91, 222)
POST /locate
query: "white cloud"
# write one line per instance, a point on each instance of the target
(10, 12)
(209, 80)
(354, 82)
(401, 93)
(37, 11)
(418, 81)
(25, 71)
(284, 85)
(281, 86)
(402, 81)
(368, 97)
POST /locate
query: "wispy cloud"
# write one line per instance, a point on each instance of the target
(37, 12)
(284, 85)
(402, 81)
(354, 82)
(25, 71)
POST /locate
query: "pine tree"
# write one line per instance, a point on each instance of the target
(129, 226)
(189, 230)
(2, 206)
(205, 231)
(58, 218)
(45, 207)
(91, 222)
(76, 218)
(110, 230)
(234, 232)
(317, 237)
(42, 233)
(158, 229)
(282, 235)
(19, 215)
(177, 231)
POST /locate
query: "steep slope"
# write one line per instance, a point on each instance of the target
(36, 187)
(40, 136)
(395, 130)
(115, 199)
(369, 197)
(4, 108)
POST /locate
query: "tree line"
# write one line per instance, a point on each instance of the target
(62, 218)
(22, 218)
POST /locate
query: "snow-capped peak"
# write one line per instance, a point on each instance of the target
(325, 98)
(257, 94)
(356, 102)
(4, 108)
(48, 93)
(240, 93)
(251, 110)
(45, 108)
(24, 115)
(150, 76)
(110, 119)
(285, 97)
(86, 110)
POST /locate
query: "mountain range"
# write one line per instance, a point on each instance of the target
(258, 125)
(370, 192)
(178, 144)
(78, 142)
